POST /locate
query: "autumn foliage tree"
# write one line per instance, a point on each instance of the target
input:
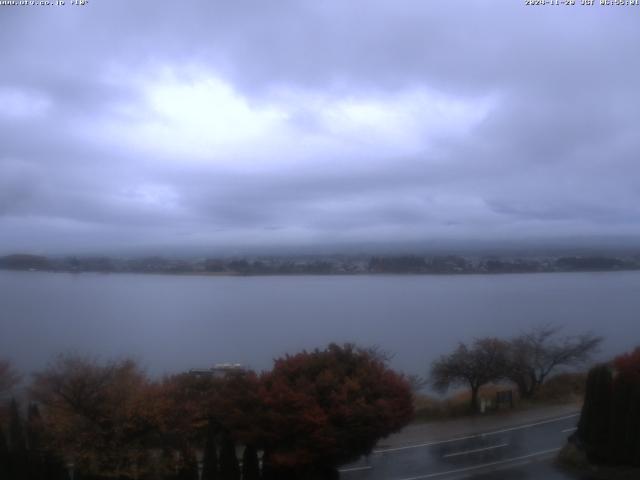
(96, 415)
(628, 365)
(199, 410)
(238, 407)
(183, 405)
(312, 412)
(328, 407)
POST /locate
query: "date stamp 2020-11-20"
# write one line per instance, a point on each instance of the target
(583, 3)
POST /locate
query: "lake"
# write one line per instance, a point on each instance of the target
(172, 323)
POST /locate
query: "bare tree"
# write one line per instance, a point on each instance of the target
(483, 362)
(538, 352)
(417, 382)
(9, 378)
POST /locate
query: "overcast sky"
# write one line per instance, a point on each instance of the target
(225, 123)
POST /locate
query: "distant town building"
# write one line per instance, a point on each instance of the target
(219, 370)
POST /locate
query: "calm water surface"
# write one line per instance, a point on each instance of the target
(172, 323)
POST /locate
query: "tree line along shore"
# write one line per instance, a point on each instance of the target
(325, 264)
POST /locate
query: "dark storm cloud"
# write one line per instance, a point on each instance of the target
(248, 122)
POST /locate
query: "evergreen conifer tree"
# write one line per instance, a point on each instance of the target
(267, 472)
(187, 468)
(210, 459)
(35, 454)
(250, 465)
(34, 428)
(229, 468)
(625, 422)
(16, 432)
(17, 443)
(595, 420)
(617, 446)
(4, 455)
(634, 426)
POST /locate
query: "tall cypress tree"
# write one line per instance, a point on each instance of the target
(34, 428)
(229, 468)
(267, 469)
(250, 465)
(633, 425)
(189, 470)
(210, 459)
(595, 420)
(625, 421)
(16, 432)
(618, 444)
(4, 455)
(17, 443)
(35, 456)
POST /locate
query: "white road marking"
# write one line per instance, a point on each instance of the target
(476, 450)
(355, 469)
(477, 435)
(484, 465)
(572, 429)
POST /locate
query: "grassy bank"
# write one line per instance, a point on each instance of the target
(563, 388)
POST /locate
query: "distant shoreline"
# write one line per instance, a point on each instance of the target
(336, 265)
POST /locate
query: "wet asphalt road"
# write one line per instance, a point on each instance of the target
(519, 452)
